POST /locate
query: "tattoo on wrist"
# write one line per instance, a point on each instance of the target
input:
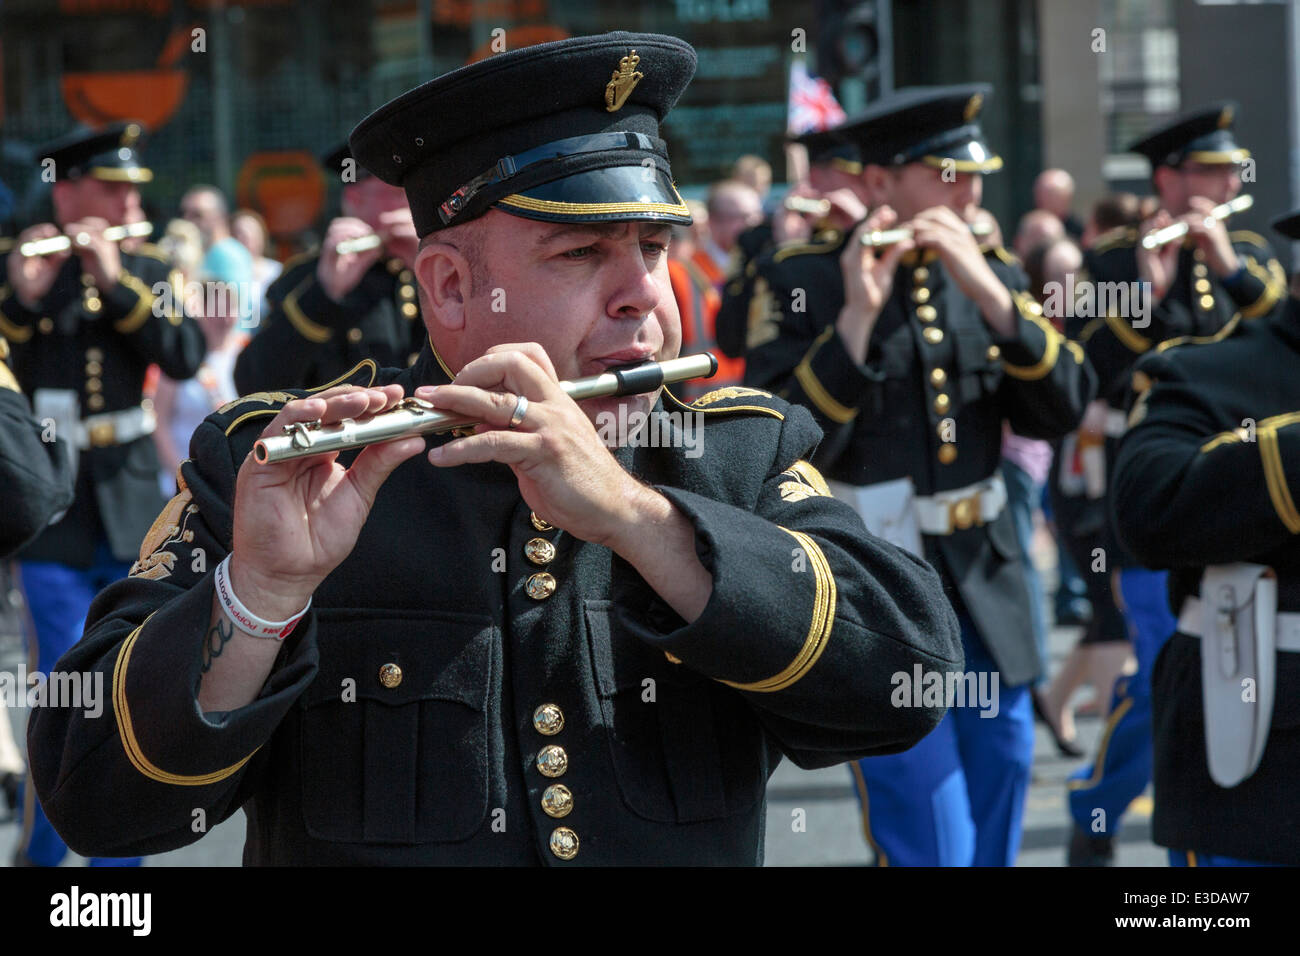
(215, 641)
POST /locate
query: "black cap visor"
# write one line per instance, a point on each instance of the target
(608, 194)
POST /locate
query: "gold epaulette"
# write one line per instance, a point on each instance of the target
(1245, 235)
(732, 399)
(152, 251)
(1001, 253)
(821, 243)
(1218, 336)
(363, 374)
(1114, 239)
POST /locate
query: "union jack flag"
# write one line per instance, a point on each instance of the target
(812, 103)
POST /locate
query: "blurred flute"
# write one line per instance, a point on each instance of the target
(359, 244)
(1160, 237)
(415, 416)
(46, 247)
(814, 207)
(887, 237)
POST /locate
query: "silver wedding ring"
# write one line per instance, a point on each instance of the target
(521, 409)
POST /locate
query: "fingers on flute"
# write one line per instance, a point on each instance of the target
(506, 447)
(376, 462)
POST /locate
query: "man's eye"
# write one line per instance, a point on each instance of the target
(654, 248)
(581, 253)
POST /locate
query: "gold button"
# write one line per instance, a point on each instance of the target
(93, 304)
(410, 310)
(921, 295)
(552, 761)
(938, 377)
(947, 454)
(1202, 286)
(354, 336)
(390, 675)
(540, 586)
(933, 335)
(564, 843)
(539, 523)
(46, 325)
(1199, 255)
(557, 801)
(93, 368)
(95, 402)
(94, 355)
(963, 514)
(941, 403)
(406, 291)
(395, 266)
(87, 280)
(94, 385)
(406, 275)
(993, 354)
(927, 313)
(1207, 302)
(548, 719)
(920, 274)
(539, 551)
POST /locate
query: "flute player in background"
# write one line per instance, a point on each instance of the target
(329, 309)
(521, 646)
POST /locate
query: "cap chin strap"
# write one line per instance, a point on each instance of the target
(508, 166)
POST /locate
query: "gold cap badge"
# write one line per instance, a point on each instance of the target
(1225, 117)
(622, 82)
(973, 107)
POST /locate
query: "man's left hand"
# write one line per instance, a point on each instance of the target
(942, 230)
(1211, 237)
(565, 472)
(100, 257)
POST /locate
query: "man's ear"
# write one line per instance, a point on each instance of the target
(444, 277)
(877, 182)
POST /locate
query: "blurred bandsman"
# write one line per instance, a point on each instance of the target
(1205, 485)
(910, 360)
(84, 325)
(833, 183)
(1200, 286)
(330, 310)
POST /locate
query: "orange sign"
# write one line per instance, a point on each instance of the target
(150, 96)
(287, 188)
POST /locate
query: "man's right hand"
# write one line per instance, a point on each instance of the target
(339, 274)
(295, 521)
(32, 276)
(1157, 266)
(868, 281)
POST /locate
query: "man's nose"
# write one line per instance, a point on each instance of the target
(636, 293)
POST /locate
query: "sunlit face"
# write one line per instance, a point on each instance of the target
(1217, 182)
(915, 187)
(203, 208)
(370, 198)
(87, 197)
(593, 295)
(249, 232)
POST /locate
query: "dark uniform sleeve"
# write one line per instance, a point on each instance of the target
(1113, 342)
(300, 320)
(152, 746)
(810, 614)
(1047, 381)
(36, 475)
(1188, 493)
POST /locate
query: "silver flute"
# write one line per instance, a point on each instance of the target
(814, 207)
(415, 416)
(880, 238)
(47, 247)
(359, 244)
(1161, 237)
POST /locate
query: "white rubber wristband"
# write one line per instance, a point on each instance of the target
(246, 620)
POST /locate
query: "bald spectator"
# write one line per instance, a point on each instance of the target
(733, 207)
(755, 172)
(1112, 212)
(1054, 193)
(206, 207)
(1037, 228)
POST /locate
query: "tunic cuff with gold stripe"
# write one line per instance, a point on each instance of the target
(128, 304)
(835, 384)
(1037, 346)
(155, 681)
(1279, 448)
(313, 313)
(790, 597)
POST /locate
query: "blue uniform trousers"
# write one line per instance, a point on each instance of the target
(59, 597)
(957, 798)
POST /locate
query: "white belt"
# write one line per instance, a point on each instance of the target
(961, 508)
(116, 428)
(1288, 625)
(1116, 423)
